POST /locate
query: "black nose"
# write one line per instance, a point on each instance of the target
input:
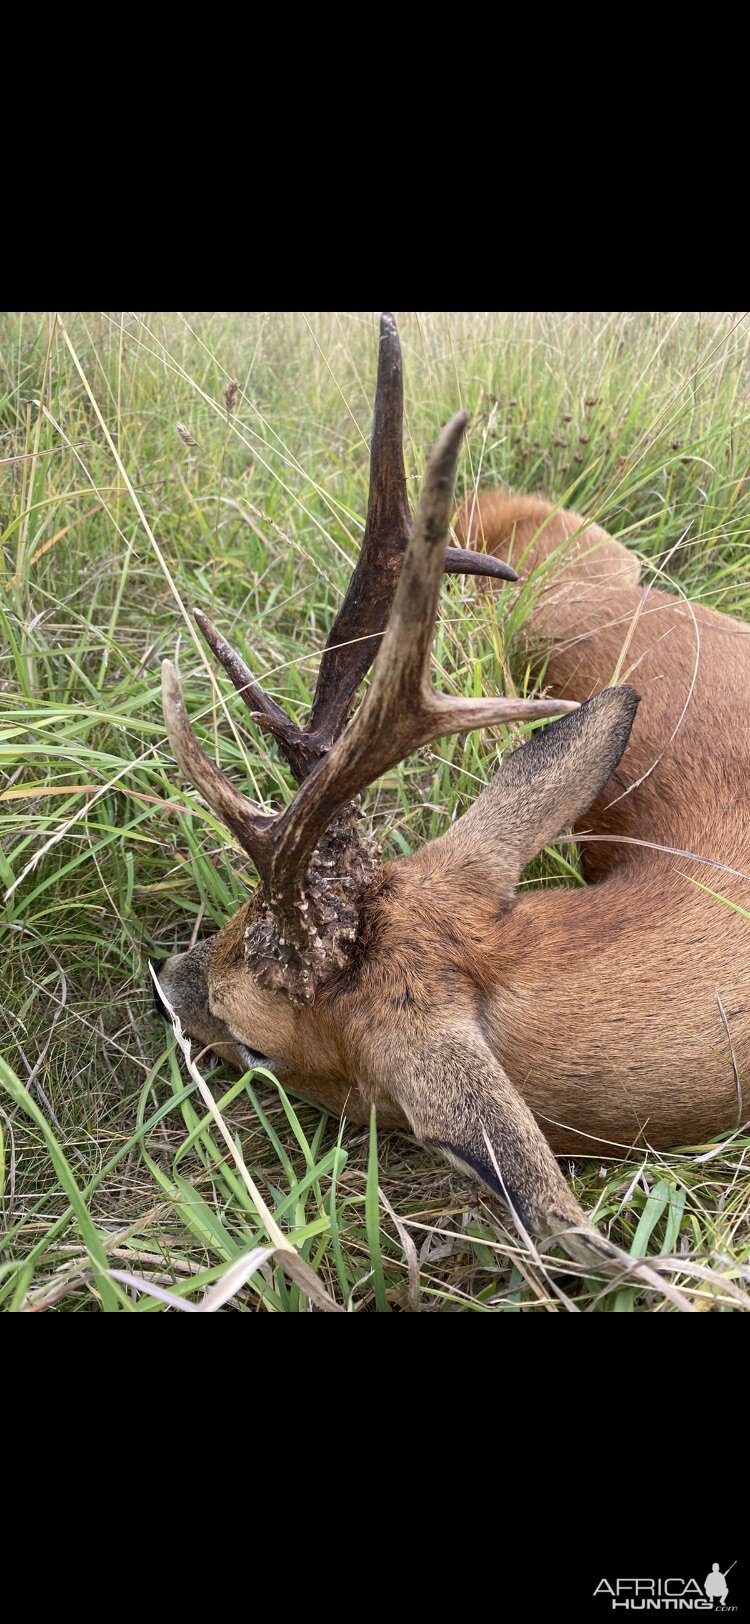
(158, 1002)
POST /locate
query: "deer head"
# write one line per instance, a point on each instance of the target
(363, 981)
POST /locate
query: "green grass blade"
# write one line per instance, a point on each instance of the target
(372, 1220)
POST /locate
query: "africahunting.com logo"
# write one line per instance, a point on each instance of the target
(672, 1595)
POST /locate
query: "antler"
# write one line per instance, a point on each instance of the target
(401, 711)
(355, 635)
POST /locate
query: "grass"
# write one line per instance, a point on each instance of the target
(114, 523)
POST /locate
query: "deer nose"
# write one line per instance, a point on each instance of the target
(182, 982)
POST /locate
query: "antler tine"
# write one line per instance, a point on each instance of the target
(463, 561)
(355, 634)
(401, 710)
(246, 820)
(299, 752)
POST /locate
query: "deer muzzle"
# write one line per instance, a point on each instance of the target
(183, 982)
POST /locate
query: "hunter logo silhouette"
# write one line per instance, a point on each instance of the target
(716, 1586)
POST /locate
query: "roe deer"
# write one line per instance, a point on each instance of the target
(498, 1027)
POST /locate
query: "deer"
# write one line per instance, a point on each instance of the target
(504, 1028)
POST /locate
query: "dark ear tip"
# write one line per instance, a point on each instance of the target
(616, 707)
(626, 693)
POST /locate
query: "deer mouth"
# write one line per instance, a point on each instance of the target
(251, 1057)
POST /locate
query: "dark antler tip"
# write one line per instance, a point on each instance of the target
(170, 688)
(450, 439)
(501, 570)
(463, 561)
(207, 628)
(390, 343)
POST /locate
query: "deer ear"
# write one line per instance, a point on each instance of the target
(548, 783)
(458, 1099)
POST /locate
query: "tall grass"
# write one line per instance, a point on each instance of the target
(115, 521)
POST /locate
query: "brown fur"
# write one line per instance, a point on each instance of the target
(629, 972)
(471, 1010)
